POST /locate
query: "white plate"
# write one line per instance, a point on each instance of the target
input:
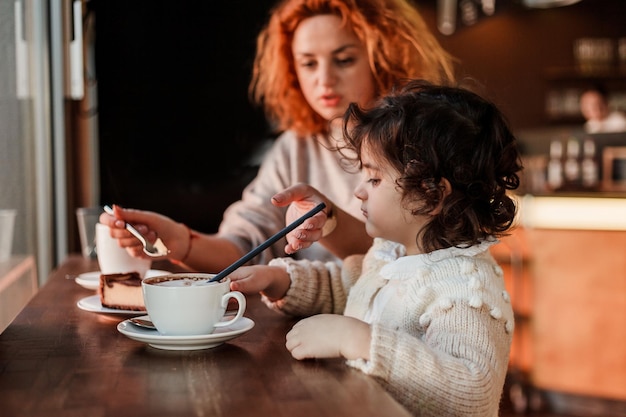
(155, 339)
(91, 280)
(93, 304)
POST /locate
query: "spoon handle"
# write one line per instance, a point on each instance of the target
(128, 226)
(254, 252)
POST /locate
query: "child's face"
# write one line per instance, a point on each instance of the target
(386, 215)
(332, 66)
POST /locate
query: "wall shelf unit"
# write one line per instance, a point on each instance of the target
(565, 84)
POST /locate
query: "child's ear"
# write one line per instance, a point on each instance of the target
(446, 189)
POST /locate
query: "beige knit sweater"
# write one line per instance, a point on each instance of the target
(291, 160)
(440, 343)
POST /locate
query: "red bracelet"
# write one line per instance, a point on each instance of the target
(192, 236)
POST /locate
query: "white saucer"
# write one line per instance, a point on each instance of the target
(154, 339)
(91, 280)
(93, 304)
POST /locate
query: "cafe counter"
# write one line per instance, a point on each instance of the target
(575, 261)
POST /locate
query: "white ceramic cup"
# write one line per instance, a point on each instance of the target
(185, 304)
(113, 259)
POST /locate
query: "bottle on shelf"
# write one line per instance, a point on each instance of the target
(555, 165)
(571, 168)
(589, 165)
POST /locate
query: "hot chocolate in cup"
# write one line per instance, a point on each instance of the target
(186, 304)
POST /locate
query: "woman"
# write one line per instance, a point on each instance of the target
(313, 59)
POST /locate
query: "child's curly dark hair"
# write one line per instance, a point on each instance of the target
(429, 133)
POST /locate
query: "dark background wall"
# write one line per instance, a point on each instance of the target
(176, 128)
(177, 131)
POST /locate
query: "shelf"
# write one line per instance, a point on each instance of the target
(577, 74)
(555, 119)
(566, 84)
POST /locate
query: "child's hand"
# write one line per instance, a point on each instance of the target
(329, 336)
(271, 281)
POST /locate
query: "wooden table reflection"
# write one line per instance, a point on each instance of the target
(58, 360)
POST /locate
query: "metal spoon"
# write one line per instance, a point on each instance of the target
(155, 249)
(146, 324)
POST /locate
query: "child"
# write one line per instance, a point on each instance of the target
(425, 311)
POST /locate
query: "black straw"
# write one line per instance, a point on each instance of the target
(254, 252)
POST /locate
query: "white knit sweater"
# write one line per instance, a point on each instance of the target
(442, 323)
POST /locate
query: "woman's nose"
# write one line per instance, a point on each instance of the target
(327, 75)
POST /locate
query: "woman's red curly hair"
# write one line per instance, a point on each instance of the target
(398, 43)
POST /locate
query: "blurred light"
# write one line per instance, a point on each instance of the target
(446, 16)
(489, 7)
(546, 4)
(469, 12)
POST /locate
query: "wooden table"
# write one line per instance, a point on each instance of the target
(58, 360)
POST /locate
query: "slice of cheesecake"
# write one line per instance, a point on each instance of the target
(122, 291)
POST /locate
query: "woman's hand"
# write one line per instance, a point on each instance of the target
(301, 198)
(151, 225)
(330, 336)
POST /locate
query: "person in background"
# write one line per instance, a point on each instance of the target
(594, 107)
(313, 58)
(425, 311)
